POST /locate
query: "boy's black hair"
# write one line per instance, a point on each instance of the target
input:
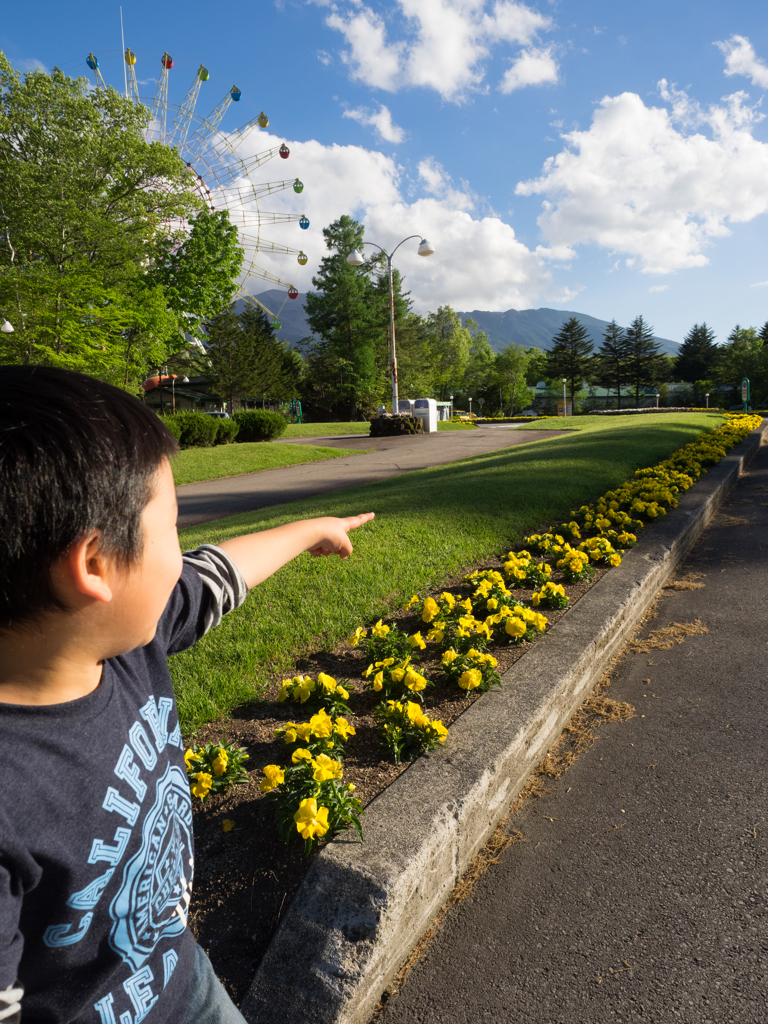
(75, 455)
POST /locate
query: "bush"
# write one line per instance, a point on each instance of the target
(192, 429)
(386, 426)
(227, 431)
(259, 425)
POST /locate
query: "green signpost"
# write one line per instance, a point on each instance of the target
(745, 392)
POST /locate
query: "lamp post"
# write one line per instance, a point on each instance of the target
(707, 398)
(184, 380)
(565, 406)
(657, 399)
(470, 407)
(355, 259)
(451, 408)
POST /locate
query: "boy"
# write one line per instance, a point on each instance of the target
(96, 856)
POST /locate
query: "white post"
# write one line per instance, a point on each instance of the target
(565, 401)
(707, 398)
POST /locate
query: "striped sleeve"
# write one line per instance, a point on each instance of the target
(222, 580)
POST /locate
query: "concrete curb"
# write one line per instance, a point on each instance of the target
(362, 908)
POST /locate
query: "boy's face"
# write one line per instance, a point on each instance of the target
(141, 592)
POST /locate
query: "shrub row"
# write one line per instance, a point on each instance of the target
(198, 430)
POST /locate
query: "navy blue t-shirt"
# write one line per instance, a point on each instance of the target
(96, 851)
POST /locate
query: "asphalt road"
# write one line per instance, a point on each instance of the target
(212, 499)
(639, 893)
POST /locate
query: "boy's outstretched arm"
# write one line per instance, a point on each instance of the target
(258, 555)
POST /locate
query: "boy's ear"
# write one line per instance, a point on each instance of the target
(83, 572)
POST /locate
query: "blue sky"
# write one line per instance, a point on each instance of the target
(608, 158)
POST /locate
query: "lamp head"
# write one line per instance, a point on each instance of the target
(6, 327)
(355, 258)
(425, 249)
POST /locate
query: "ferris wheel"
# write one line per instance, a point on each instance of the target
(224, 173)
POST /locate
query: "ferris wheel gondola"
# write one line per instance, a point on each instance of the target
(224, 175)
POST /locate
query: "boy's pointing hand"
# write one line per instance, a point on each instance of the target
(335, 539)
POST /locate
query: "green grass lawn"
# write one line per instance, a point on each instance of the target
(429, 524)
(326, 429)
(194, 464)
(590, 423)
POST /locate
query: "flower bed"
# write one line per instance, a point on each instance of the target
(651, 408)
(403, 682)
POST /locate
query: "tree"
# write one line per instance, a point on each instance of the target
(536, 370)
(449, 342)
(697, 354)
(480, 369)
(230, 356)
(646, 364)
(571, 356)
(612, 368)
(743, 355)
(340, 311)
(511, 365)
(763, 333)
(199, 275)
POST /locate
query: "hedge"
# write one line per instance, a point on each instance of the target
(259, 425)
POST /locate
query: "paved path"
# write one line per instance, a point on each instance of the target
(212, 499)
(639, 893)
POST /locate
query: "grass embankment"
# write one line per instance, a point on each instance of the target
(429, 525)
(195, 464)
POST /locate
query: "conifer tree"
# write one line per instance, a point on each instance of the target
(646, 363)
(697, 354)
(571, 356)
(613, 360)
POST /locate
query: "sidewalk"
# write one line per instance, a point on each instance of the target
(212, 499)
(639, 893)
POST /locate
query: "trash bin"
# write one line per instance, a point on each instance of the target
(426, 410)
(405, 406)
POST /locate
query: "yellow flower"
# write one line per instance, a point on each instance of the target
(303, 689)
(341, 692)
(189, 757)
(304, 731)
(359, 634)
(430, 610)
(351, 787)
(417, 641)
(368, 671)
(414, 681)
(203, 784)
(449, 656)
(398, 674)
(343, 728)
(615, 559)
(327, 682)
(285, 691)
(492, 604)
(378, 681)
(288, 732)
(321, 724)
(515, 627)
(449, 599)
(414, 711)
(326, 768)
(227, 824)
(536, 599)
(380, 630)
(470, 679)
(440, 729)
(435, 636)
(311, 821)
(413, 602)
(220, 763)
(301, 754)
(273, 776)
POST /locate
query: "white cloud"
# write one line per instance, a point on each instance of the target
(445, 43)
(741, 59)
(381, 121)
(478, 263)
(759, 284)
(642, 182)
(531, 67)
(658, 288)
(31, 64)
(324, 57)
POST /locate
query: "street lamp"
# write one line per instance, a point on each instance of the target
(707, 398)
(657, 399)
(6, 327)
(356, 259)
(451, 408)
(565, 407)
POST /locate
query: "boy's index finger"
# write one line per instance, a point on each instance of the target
(353, 522)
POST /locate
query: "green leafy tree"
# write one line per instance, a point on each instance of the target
(479, 374)
(230, 356)
(339, 313)
(511, 366)
(199, 274)
(647, 366)
(763, 333)
(612, 365)
(571, 356)
(536, 370)
(697, 355)
(449, 341)
(743, 355)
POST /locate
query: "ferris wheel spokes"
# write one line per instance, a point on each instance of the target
(159, 114)
(93, 64)
(177, 136)
(133, 86)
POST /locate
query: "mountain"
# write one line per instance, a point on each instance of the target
(530, 327)
(537, 327)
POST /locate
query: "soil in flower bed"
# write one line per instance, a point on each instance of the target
(245, 878)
